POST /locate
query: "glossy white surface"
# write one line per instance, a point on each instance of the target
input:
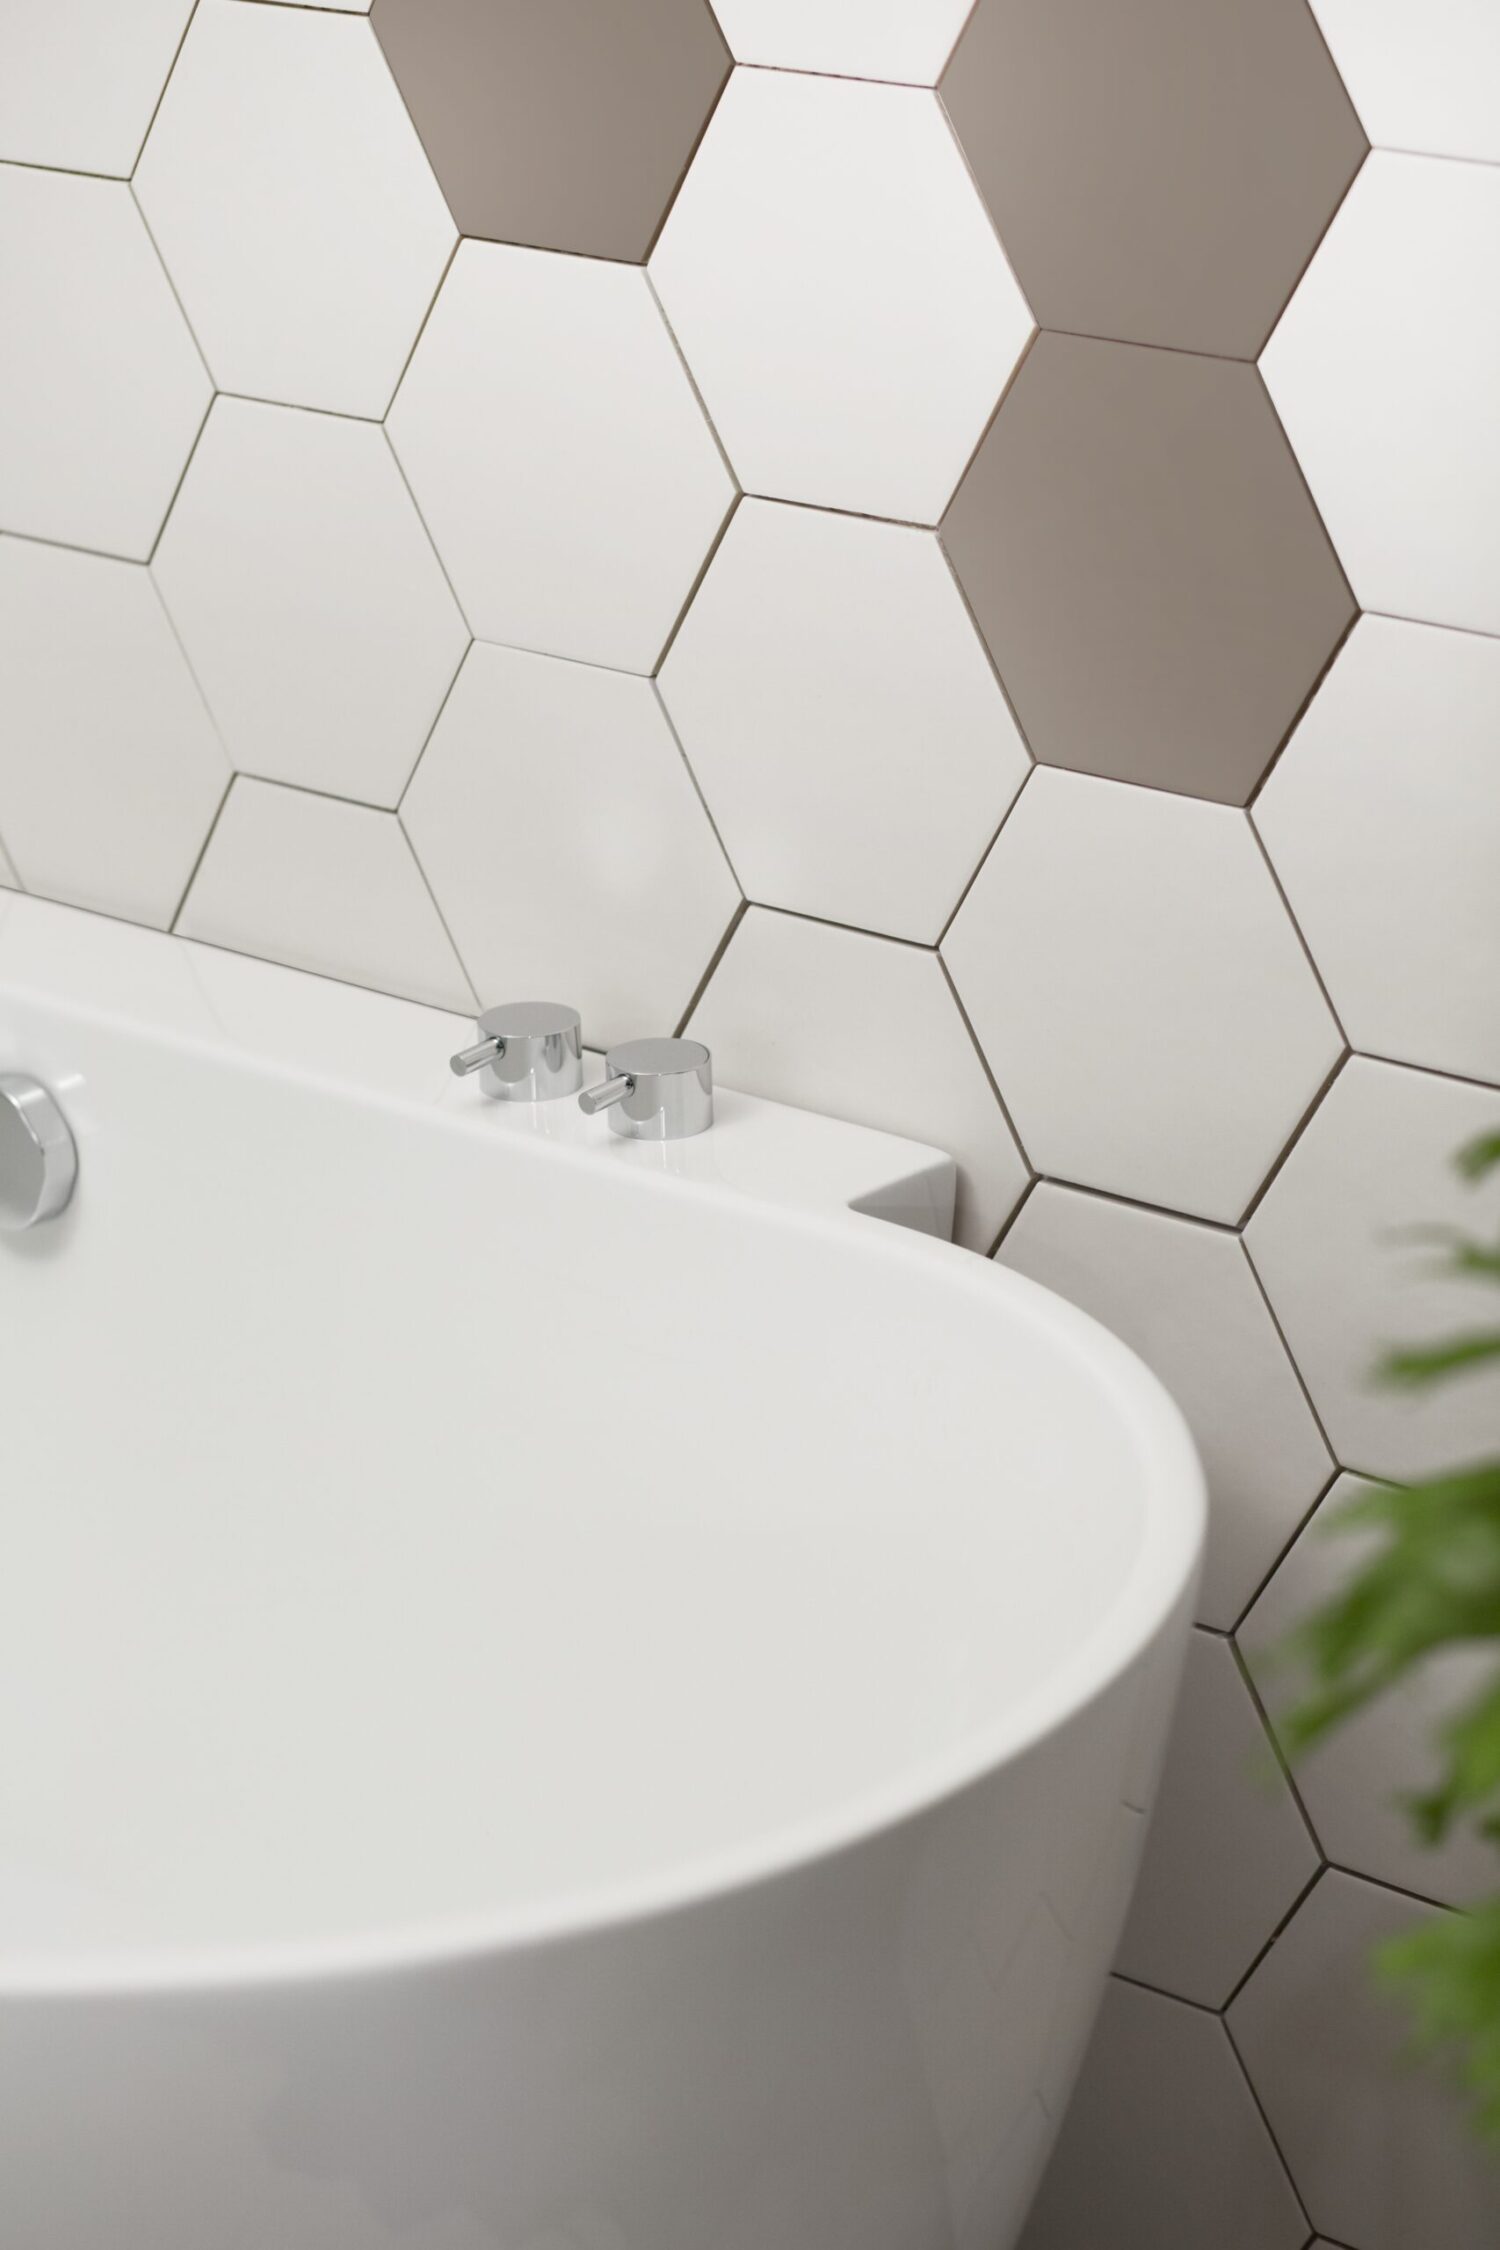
(1423, 74)
(308, 598)
(559, 455)
(908, 40)
(828, 662)
(482, 1821)
(1384, 370)
(1186, 1298)
(94, 434)
(80, 81)
(294, 206)
(1382, 820)
(110, 767)
(839, 293)
(1141, 995)
(325, 886)
(565, 842)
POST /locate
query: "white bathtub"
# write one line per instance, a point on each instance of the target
(554, 1694)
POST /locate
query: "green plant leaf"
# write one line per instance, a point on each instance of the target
(1477, 1157)
(1430, 1363)
(1449, 1972)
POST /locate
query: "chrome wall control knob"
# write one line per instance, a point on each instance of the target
(655, 1089)
(38, 1159)
(529, 1051)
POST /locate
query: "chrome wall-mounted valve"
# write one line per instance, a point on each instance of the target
(38, 1161)
(529, 1051)
(655, 1090)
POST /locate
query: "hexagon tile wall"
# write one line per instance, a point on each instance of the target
(885, 489)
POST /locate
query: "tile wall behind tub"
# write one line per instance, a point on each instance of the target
(881, 494)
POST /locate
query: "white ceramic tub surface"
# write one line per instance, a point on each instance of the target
(554, 1694)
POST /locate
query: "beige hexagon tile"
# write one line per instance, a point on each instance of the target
(1354, 1781)
(802, 1012)
(559, 456)
(612, 891)
(1384, 370)
(111, 771)
(1227, 1854)
(1163, 2147)
(326, 886)
(1159, 172)
(1380, 2148)
(1185, 1297)
(1142, 997)
(842, 718)
(292, 203)
(79, 83)
(1331, 1242)
(102, 391)
(566, 126)
(308, 597)
(839, 293)
(1145, 564)
(1382, 820)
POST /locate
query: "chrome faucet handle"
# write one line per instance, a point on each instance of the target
(38, 1158)
(528, 1050)
(655, 1090)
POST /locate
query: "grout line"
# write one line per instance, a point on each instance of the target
(984, 1064)
(1282, 1760)
(692, 593)
(458, 243)
(192, 455)
(1427, 1070)
(437, 909)
(719, 952)
(692, 383)
(1261, 2107)
(1295, 1136)
(436, 552)
(982, 861)
(1011, 380)
(827, 922)
(1398, 1890)
(1433, 624)
(162, 95)
(1138, 1203)
(416, 764)
(1312, 1404)
(1276, 1934)
(1234, 1631)
(1306, 704)
(661, 704)
(72, 547)
(213, 828)
(1339, 200)
(1160, 1992)
(697, 143)
(1021, 1202)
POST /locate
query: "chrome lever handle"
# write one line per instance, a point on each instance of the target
(655, 1090)
(529, 1051)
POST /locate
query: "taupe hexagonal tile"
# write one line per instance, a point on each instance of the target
(1143, 1000)
(1185, 1297)
(1227, 1853)
(1159, 172)
(1163, 2147)
(1379, 2146)
(616, 892)
(1145, 563)
(1376, 1161)
(842, 717)
(565, 126)
(802, 1012)
(1352, 1782)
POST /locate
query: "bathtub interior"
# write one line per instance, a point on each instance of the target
(406, 1532)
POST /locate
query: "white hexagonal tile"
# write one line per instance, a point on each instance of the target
(840, 294)
(1353, 1782)
(1383, 822)
(102, 391)
(1423, 74)
(1163, 2147)
(1185, 1297)
(842, 717)
(1384, 370)
(803, 1012)
(309, 600)
(560, 830)
(1378, 2145)
(324, 886)
(905, 40)
(111, 771)
(293, 204)
(1145, 1004)
(1327, 1243)
(1227, 1853)
(559, 456)
(78, 83)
